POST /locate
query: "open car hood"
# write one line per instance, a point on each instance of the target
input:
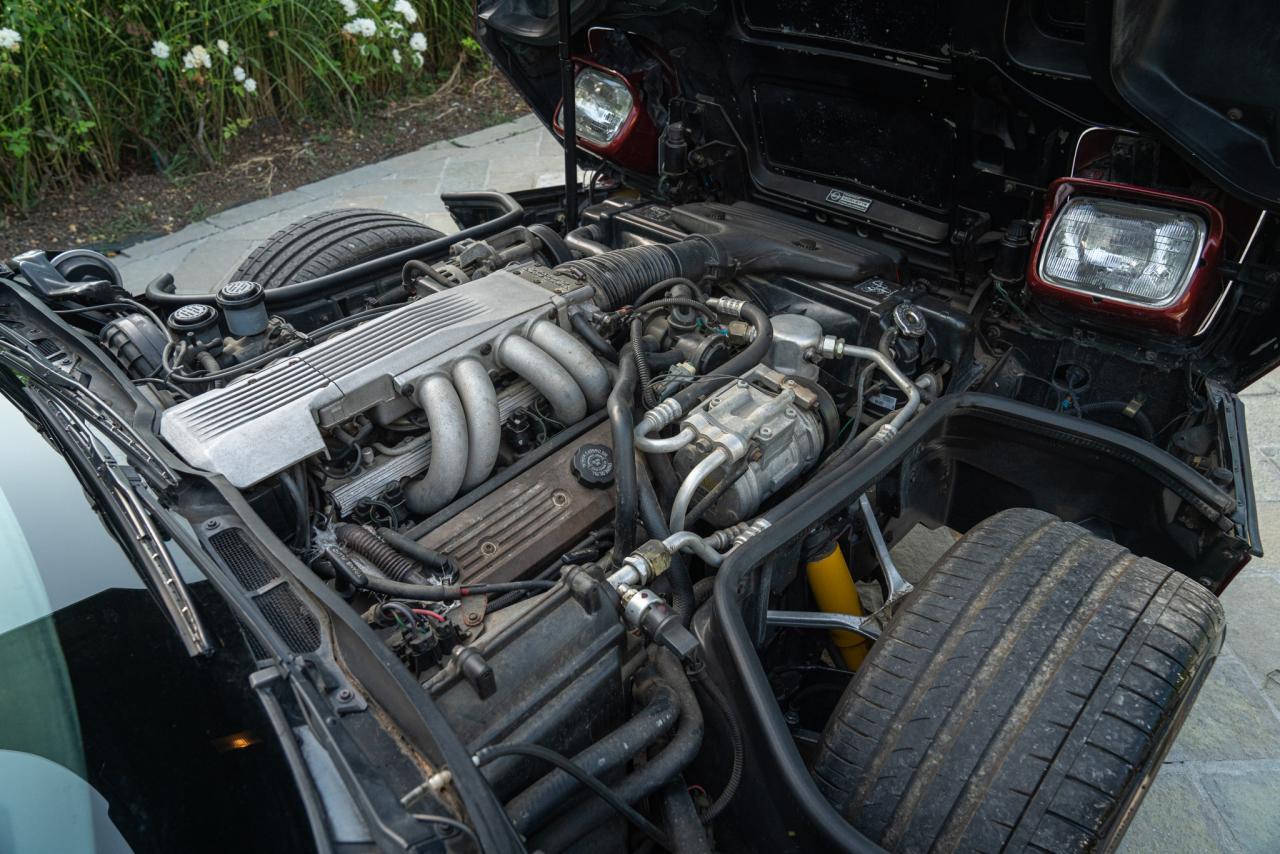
(905, 99)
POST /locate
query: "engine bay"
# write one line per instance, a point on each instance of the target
(521, 466)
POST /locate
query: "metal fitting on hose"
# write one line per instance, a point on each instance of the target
(665, 413)
(727, 305)
(642, 566)
(647, 612)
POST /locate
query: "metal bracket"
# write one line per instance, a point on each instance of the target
(898, 586)
(864, 626)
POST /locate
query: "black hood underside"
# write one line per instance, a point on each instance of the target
(930, 105)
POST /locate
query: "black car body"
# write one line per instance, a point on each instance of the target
(607, 480)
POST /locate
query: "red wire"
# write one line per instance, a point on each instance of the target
(424, 612)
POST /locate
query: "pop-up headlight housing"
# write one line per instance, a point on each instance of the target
(1135, 254)
(611, 121)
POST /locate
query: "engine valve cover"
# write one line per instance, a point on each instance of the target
(267, 421)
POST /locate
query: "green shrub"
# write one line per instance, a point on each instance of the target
(87, 86)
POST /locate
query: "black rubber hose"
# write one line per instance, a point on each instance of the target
(677, 575)
(734, 731)
(552, 243)
(158, 291)
(293, 482)
(750, 356)
(398, 567)
(665, 480)
(1120, 408)
(674, 302)
(644, 376)
(530, 809)
(660, 768)
(666, 285)
(594, 339)
(621, 424)
(703, 589)
(680, 820)
(619, 276)
(416, 550)
(607, 797)
(425, 270)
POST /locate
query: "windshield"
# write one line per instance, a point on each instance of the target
(113, 738)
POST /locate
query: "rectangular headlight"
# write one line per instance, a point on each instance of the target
(1127, 251)
(604, 103)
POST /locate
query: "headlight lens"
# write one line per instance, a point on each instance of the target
(1122, 250)
(604, 103)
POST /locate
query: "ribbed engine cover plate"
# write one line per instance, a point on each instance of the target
(267, 421)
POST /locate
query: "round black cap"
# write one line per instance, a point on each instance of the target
(193, 317)
(593, 465)
(240, 293)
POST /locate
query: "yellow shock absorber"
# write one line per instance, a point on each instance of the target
(836, 593)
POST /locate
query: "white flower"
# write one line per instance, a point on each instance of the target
(349, 6)
(395, 29)
(395, 55)
(160, 50)
(406, 10)
(238, 74)
(10, 40)
(250, 85)
(417, 60)
(197, 57)
(361, 27)
(223, 46)
(418, 42)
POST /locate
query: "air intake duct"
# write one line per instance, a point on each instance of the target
(618, 277)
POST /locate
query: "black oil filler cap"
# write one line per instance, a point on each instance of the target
(593, 465)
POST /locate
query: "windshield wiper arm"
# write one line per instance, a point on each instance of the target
(21, 355)
(121, 485)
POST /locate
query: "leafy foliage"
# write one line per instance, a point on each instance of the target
(89, 85)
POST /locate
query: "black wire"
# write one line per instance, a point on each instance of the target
(87, 308)
(1035, 95)
(708, 501)
(699, 679)
(487, 754)
(643, 375)
(451, 822)
(666, 285)
(283, 349)
(403, 610)
(161, 381)
(671, 302)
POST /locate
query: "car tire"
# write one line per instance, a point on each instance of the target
(1022, 697)
(326, 242)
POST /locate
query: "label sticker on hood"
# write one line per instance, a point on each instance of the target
(849, 200)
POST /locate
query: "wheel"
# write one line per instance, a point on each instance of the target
(330, 241)
(1023, 696)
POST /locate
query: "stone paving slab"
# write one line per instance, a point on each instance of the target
(1219, 789)
(508, 157)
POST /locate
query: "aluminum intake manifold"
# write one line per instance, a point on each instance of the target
(440, 350)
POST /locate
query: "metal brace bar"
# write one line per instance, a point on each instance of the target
(864, 626)
(898, 586)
